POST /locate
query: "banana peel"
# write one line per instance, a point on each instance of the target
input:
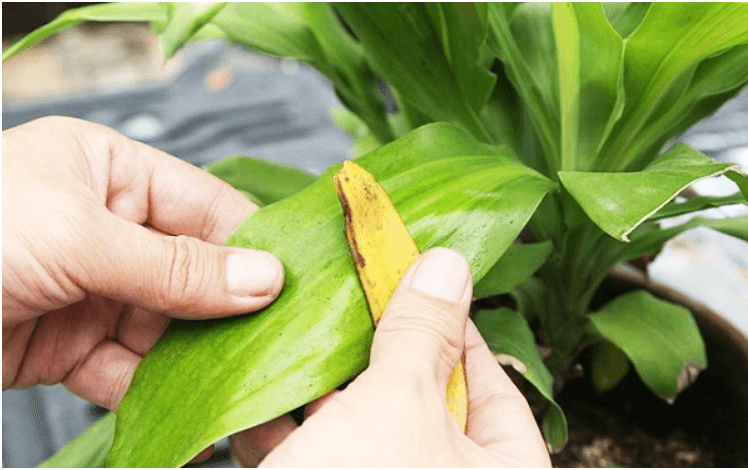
(383, 250)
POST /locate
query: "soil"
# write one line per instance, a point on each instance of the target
(630, 427)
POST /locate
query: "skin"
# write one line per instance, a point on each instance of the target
(106, 239)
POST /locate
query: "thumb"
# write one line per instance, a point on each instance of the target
(181, 276)
(423, 328)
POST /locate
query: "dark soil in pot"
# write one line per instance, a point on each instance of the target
(629, 426)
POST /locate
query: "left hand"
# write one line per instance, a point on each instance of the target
(104, 240)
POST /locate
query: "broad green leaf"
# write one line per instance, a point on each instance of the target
(510, 339)
(527, 49)
(146, 11)
(89, 449)
(713, 82)
(415, 64)
(625, 17)
(210, 379)
(600, 86)
(609, 365)
(619, 202)
(267, 180)
(566, 62)
(517, 264)
(462, 28)
(568, 55)
(661, 339)
(697, 203)
(667, 46)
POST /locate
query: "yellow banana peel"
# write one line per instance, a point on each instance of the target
(383, 250)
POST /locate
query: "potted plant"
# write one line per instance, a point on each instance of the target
(554, 119)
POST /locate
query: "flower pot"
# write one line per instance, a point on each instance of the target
(629, 426)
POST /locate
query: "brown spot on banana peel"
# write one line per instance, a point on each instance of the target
(383, 251)
(353, 247)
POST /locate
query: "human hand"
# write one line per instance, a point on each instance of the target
(394, 414)
(104, 240)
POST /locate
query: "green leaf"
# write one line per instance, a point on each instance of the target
(183, 21)
(697, 203)
(609, 365)
(527, 49)
(600, 85)
(462, 28)
(415, 64)
(619, 202)
(517, 264)
(277, 29)
(661, 55)
(625, 17)
(89, 449)
(501, 114)
(568, 55)
(269, 181)
(146, 11)
(510, 339)
(741, 180)
(566, 62)
(661, 339)
(713, 82)
(650, 239)
(210, 379)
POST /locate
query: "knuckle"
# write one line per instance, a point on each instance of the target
(433, 322)
(211, 224)
(113, 396)
(55, 121)
(188, 279)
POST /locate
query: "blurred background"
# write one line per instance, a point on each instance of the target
(213, 100)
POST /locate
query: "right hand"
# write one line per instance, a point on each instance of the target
(394, 413)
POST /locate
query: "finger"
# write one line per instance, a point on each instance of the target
(250, 446)
(318, 404)
(181, 276)
(146, 185)
(104, 375)
(203, 455)
(422, 330)
(499, 417)
(139, 329)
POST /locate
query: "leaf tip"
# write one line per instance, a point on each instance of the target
(686, 377)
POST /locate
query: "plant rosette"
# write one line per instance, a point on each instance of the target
(549, 119)
(628, 426)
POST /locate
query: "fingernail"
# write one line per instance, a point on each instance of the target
(441, 273)
(253, 273)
